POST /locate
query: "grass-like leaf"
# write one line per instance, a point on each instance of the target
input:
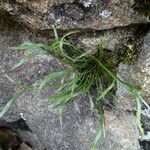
(28, 58)
(62, 98)
(13, 99)
(51, 76)
(27, 46)
(10, 79)
(9, 103)
(91, 103)
(105, 92)
(101, 129)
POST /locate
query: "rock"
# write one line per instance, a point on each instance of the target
(121, 132)
(137, 74)
(143, 68)
(77, 130)
(24, 146)
(113, 40)
(85, 14)
(9, 139)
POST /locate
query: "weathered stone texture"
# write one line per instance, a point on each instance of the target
(84, 14)
(137, 74)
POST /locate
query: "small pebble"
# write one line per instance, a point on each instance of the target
(88, 3)
(22, 116)
(105, 13)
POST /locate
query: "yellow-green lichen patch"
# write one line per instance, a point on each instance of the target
(130, 54)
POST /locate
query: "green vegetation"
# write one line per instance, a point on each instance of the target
(130, 54)
(86, 72)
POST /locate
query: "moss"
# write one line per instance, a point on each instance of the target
(130, 54)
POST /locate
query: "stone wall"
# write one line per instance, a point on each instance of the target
(31, 21)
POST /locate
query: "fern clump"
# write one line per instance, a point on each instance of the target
(85, 74)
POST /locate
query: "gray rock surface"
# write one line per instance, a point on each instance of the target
(112, 40)
(120, 125)
(82, 14)
(24, 147)
(77, 130)
(137, 74)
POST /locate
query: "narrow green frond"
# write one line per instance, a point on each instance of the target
(24, 89)
(61, 99)
(138, 115)
(91, 103)
(101, 51)
(51, 76)
(64, 54)
(23, 61)
(13, 99)
(101, 127)
(60, 96)
(60, 111)
(55, 32)
(99, 134)
(72, 47)
(105, 92)
(27, 46)
(10, 79)
(9, 103)
(54, 46)
(80, 56)
(77, 108)
(27, 58)
(70, 33)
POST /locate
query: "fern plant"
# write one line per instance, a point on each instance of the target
(86, 72)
